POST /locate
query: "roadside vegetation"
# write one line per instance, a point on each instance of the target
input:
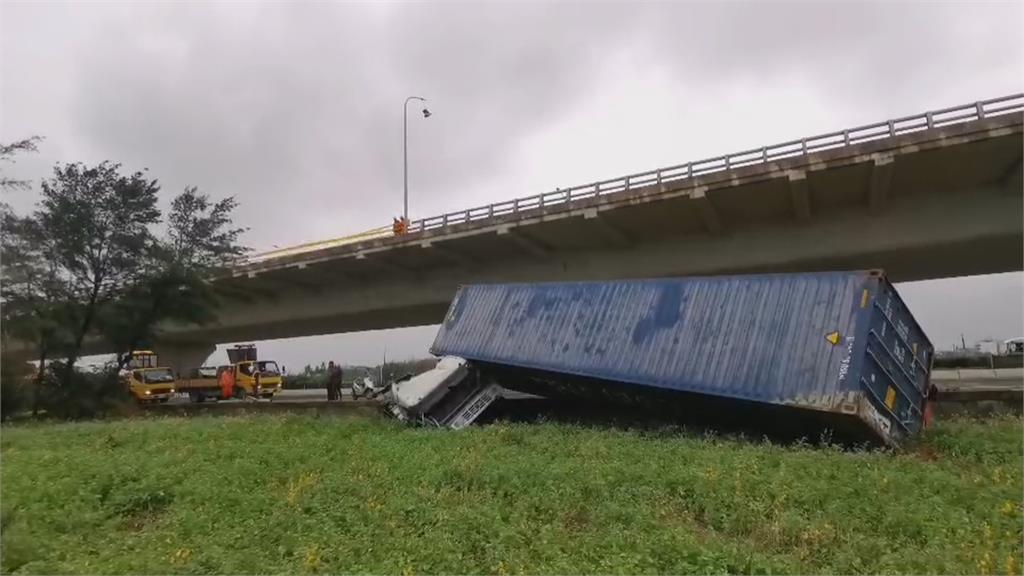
(301, 493)
(98, 260)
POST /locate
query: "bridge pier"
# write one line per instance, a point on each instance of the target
(182, 358)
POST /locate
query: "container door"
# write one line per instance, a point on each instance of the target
(897, 365)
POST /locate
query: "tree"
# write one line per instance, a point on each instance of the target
(7, 152)
(28, 288)
(98, 221)
(86, 262)
(33, 294)
(175, 284)
(201, 238)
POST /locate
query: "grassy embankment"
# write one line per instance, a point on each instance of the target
(294, 493)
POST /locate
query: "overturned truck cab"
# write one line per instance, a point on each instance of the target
(834, 351)
(450, 395)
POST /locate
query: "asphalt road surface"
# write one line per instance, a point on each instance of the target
(285, 396)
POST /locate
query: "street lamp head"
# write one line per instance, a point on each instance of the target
(426, 113)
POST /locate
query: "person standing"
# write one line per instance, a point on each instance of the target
(333, 381)
(227, 382)
(341, 380)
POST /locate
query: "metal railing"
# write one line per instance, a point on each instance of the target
(763, 155)
(382, 232)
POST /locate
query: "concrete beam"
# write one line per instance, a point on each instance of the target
(610, 233)
(276, 283)
(1013, 178)
(531, 245)
(382, 263)
(458, 257)
(182, 358)
(882, 169)
(708, 213)
(971, 231)
(800, 194)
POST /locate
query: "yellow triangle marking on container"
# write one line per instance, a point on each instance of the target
(833, 338)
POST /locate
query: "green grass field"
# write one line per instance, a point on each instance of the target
(301, 493)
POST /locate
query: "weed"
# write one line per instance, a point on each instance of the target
(327, 494)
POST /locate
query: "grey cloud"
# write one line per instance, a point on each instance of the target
(295, 107)
(249, 107)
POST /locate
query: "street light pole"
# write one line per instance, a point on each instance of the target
(405, 152)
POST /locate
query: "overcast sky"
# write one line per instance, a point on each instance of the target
(295, 109)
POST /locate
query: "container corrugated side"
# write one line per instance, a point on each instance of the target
(789, 339)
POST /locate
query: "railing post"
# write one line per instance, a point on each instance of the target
(929, 121)
(764, 154)
(981, 110)
(515, 205)
(727, 162)
(423, 225)
(659, 177)
(627, 183)
(444, 221)
(467, 215)
(892, 128)
(803, 145)
(490, 210)
(597, 188)
(689, 169)
(846, 137)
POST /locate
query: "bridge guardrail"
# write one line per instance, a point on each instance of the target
(382, 232)
(839, 139)
(765, 154)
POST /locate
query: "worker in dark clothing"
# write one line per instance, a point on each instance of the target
(333, 381)
(341, 380)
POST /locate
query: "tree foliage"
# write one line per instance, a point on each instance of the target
(7, 153)
(88, 264)
(175, 285)
(99, 222)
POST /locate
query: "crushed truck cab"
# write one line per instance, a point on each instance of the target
(451, 395)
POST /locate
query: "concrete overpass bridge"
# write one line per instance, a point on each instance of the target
(932, 195)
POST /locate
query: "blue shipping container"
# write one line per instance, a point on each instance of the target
(838, 343)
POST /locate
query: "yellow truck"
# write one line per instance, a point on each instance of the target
(251, 377)
(256, 378)
(146, 380)
(201, 384)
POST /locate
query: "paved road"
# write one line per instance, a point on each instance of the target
(286, 396)
(962, 378)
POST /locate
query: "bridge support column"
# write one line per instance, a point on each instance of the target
(182, 358)
(882, 168)
(708, 213)
(800, 193)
